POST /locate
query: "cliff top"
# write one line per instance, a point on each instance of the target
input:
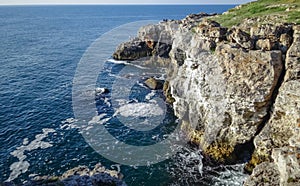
(261, 12)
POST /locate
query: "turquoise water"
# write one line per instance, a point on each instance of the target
(40, 49)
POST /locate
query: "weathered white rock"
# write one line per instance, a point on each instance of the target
(279, 140)
(225, 95)
(265, 174)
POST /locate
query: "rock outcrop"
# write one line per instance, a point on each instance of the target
(236, 91)
(279, 140)
(228, 96)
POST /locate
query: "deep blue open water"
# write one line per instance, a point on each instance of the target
(40, 47)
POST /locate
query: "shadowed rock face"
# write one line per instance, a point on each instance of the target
(236, 92)
(132, 50)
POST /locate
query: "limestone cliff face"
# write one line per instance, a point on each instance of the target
(225, 96)
(279, 141)
(234, 91)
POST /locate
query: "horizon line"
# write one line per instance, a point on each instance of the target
(105, 4)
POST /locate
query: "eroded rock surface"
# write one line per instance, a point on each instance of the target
(235, 90)
(279, 141)
(227, 96)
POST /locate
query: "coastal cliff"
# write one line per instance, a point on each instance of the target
(235, 89)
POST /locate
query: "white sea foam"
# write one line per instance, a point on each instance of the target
(69, 124)
(139, 109)
(126, 63)
(99, 119)
(142, 85)
(150, 95)
(232, 175)
(100, 90)
(17, 168)
(106, 101)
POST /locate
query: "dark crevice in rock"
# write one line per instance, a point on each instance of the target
(243, 152)
(180, 57)
(249, 167)
(273, 97)
(250, 145)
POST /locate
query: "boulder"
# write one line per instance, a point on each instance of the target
(154, 84)
(266, 44)
(266, 174)
(211, 30)
(278, 143)
(264, 30)
(167, 93)
(285, 42)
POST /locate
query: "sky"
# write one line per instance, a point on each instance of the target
(38, 2)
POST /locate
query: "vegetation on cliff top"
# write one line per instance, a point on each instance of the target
(279, 11)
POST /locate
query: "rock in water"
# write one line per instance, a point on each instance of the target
(101, 91)
(132, 50)
(154, 84)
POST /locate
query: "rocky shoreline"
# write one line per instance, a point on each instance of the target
(236, 90)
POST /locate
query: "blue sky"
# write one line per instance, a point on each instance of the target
(26, 2)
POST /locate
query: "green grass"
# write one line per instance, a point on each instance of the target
(261, 9)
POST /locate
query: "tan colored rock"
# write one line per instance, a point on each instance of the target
(240, 37)
(286, 112)
(211, 30)
(285, 42)
(279, 141)
(167, 93)
(265, 174)
(154, 84)
(287, 160)
(262, 31)
(266, 44)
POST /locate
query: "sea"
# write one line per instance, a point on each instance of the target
(40, 50)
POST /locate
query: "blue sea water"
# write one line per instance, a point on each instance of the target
(40, 49)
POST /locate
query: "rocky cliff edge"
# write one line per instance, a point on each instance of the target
(236, 91)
